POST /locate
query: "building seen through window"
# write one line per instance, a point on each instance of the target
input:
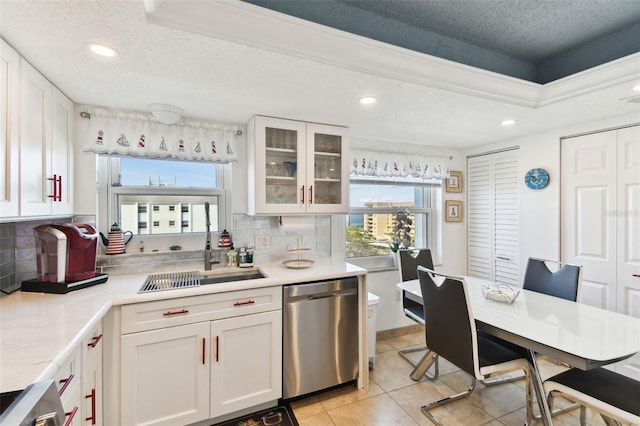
(371, 222)
(152, 196)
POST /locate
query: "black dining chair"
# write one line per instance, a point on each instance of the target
(565, 282)
(408, 262)
(613, 395)
(452, 334)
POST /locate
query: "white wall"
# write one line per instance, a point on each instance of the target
(540, 209)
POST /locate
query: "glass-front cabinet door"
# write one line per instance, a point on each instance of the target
(279, 154)
(296, 167)
(327, 176)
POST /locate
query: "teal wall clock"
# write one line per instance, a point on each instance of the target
(536, 178)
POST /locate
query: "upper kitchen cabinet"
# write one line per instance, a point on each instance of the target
(46, 146)
(9, 83)
(296, 167)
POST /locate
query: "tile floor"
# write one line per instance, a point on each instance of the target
(394, 399)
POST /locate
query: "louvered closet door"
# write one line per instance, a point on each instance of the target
(492, 241)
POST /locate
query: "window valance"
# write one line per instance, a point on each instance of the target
(367, 164)
(139, 135)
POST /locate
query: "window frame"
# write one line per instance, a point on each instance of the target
(431, 195)
(108, 168)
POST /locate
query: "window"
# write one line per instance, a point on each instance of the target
(373, 212)
(162, 193)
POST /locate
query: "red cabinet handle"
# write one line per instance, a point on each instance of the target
(92, 395)
(55, 187)
(636, 275)
(65, 382)
(203, 346)
(70, 415)
(169, 313)
(302, 194)
(95, 341)
(217, 347)
(59, 188)
(310, 194)
(248, 302)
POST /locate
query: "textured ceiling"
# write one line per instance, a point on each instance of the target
(226, 80)
(538, 41)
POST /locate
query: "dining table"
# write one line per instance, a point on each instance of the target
(577, 334)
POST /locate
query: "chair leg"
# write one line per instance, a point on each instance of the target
(425, 408)
(419, 365)
(428, 359)
(501, 380)
(566, 409)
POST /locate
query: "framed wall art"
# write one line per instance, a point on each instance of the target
(454, 182)
(453, 211)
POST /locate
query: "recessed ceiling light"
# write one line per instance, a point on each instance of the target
(368, 100)
(509, 122)
(102, 50)
(636, 88)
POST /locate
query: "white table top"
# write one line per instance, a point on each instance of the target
(582, 335)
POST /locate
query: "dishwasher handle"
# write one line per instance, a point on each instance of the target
(333, 294)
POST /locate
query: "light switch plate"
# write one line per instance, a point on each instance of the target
(263, 242)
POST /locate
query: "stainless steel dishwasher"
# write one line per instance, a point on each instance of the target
(320, 335)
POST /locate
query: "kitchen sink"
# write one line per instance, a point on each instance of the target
(175, 280)
(225, 277)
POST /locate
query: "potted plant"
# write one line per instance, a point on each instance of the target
(401, 233)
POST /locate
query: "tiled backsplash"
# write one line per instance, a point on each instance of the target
(18, 248)
(247, 228)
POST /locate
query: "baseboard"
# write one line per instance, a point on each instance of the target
(400, 331)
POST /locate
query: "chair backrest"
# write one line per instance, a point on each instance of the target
(564, 283)
(409, 260)
(449, 325)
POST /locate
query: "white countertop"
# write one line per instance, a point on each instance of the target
(37, 328)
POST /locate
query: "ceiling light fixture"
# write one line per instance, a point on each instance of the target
(368, 100)
(636, 88)
(102, 50)
(165, 113)
(509, 122)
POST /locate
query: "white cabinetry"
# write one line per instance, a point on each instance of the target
(165, 376)
(296, 167)
(246, 365)
(92, 377)
(46, 139)
(68, 379)
(189, 359)
(9, 83)
(79, 380)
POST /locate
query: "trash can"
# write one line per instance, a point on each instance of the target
(372, 300)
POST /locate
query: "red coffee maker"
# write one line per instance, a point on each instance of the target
(66, 258)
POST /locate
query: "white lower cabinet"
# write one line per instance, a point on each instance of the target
(92, 377)
(165, 376)
(186, 373)
(247, 362)
(68, 380)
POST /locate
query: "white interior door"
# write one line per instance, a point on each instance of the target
(628, 241)
(588, 205)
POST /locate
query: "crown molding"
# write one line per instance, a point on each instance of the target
(244, 23)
